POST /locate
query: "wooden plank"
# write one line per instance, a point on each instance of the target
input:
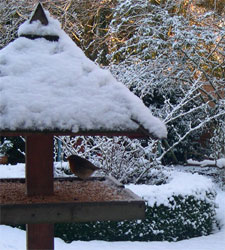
(39, 181)
(40, 236)
(129, 207)
(72, 212)
(39, 165)
(139, 133)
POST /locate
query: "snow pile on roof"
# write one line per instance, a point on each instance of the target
(36, 28)
(54, 86)
(184, 184)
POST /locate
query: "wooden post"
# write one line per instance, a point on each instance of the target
(39, 181)
(39, 165)
(40, 236)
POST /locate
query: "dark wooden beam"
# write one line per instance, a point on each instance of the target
(51, 38)
(131, 134)
(39, 165)
(39, 181)
(129, 207)
(40, 236)
(65, 212)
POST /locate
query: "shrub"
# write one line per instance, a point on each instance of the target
(181, 209)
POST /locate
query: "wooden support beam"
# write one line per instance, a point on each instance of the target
(40, 236)
(131, 134)
(39, 181)
(39, 165)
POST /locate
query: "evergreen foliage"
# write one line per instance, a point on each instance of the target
(184, 217)
(14, 148)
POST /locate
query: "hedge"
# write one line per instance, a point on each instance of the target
(184, 217)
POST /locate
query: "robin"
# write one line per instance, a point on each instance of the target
(81, 167)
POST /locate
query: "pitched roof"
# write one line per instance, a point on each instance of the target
(52, 85)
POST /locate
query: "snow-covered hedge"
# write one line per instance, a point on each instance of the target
(180, 209)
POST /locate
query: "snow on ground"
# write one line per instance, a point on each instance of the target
(12, 171)
(15, 239)
(218, 163)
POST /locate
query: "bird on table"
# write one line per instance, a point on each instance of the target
(81, 167)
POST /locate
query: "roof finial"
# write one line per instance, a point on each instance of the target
(37, 31)
(39, 14)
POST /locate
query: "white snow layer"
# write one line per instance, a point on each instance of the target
(220, 163)
(36, 28)
(12, 171)
(184, 184)
(53, 85)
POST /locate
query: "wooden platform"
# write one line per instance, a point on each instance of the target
(74, 200)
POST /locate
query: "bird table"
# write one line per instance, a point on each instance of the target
(34, 202)
(40, 72)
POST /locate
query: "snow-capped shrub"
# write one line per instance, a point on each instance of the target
(180, 209)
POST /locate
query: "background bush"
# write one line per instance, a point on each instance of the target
(184, 217)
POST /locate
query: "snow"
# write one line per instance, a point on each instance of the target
(15, 239)
(221, 163)
(12, 171)
(179, 183)
(218, 163)
(47, 85)
(201, 163)
(36, 28)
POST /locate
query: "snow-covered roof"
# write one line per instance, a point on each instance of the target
(49, 85)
